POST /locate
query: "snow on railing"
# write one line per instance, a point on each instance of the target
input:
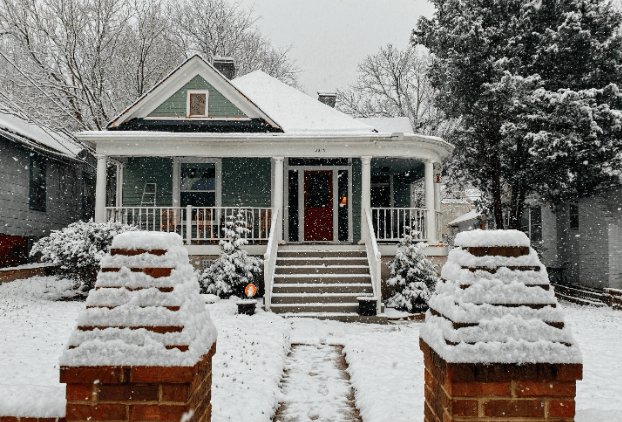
(195, 224)
(374, 257)
(390, 223)
(269, 258)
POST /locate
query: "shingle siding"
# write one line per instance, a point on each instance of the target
(217, 104)
(246, 182)
(141, 170)
(63, 198)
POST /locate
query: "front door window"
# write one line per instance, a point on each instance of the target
(318, 205)
(198, 184)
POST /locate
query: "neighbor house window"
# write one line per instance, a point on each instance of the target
(197, 103)
(574, 216)
(531, 223)
(38, 191)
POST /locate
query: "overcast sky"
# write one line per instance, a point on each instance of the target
(330, 37)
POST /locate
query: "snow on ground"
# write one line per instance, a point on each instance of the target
(599, 333)
(34, 331)
(248, 365)
(385, 363)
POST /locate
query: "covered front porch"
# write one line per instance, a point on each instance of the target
(322, 199)
(301, 189)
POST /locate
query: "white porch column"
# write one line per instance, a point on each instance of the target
(100, 189)
(429, 201)
(119, 192)
(437, 187)
(277, 197)
(365, 188)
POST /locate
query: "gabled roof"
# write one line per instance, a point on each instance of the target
(37, 135)
(175, 80)
(294, 111)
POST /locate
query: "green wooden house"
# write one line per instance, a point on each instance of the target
(310, 181)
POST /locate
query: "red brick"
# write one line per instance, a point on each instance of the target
(429, 414)
(175, 392)
(429, 380)
(155, 272)
(158, 374)
(9, 419)
(464, 408)
(545, 389)
(28, 419)
(164, 413)
(561, 409)
(570, 372)
(478, 389)
(80, 392)
(100, 412)
(514, 408)
(127, 392)
(90, 374)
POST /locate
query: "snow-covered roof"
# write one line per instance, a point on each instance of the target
(294, 111)
(389, 124)
(37, 135)
(471, 215)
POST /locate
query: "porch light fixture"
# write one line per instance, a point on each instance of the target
(344, 202)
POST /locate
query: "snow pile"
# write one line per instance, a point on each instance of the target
(135, 319)
(483, 238)
(497, 308)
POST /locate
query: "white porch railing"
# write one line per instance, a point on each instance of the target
(269, 258)
(195, 224)
(390, 224)
(373, 255)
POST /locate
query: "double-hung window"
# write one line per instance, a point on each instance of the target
(531, 223)
(198, 184)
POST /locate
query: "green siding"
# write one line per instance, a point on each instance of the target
(356, 199)
(217, 104)
(246, 182)
(141, 170)
(401, 191)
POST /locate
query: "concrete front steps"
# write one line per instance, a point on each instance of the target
(320, 281)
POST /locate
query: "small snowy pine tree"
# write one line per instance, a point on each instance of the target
(235, 268)
(414, 276)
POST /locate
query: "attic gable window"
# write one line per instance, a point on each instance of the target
(197, 103)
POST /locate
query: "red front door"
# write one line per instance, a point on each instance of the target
(318, 204)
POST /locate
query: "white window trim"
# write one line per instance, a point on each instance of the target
(177, 176)
(197, 91)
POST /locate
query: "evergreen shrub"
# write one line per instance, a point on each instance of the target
(235, 268)
(413, 276)
(78, 250)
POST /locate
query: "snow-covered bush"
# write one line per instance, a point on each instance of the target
(413, 276)
(235, 268)
(78, 249)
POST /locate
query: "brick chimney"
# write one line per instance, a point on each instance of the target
(225, 65)
(328, 98)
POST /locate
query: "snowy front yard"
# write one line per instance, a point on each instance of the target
(385, 364)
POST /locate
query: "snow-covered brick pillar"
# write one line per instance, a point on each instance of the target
(494, 341)
(143, 347)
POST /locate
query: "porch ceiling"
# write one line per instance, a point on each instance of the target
(129, 143)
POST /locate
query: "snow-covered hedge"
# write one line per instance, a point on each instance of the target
(235, 268)
(414, 276)
(79, 248)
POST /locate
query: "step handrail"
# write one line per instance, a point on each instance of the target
(374, 257)
(269, 258)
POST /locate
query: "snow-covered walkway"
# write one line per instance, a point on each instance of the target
(316, 387)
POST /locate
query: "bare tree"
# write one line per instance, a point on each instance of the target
(77, 63)
(217, 28)
(394, 83)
